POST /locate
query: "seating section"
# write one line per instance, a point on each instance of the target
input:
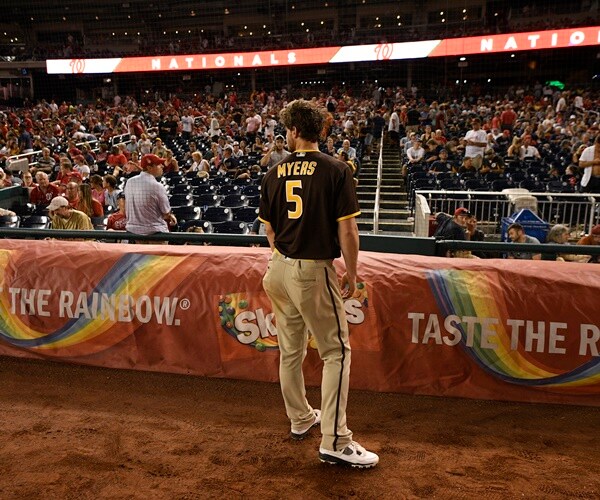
(532, 175)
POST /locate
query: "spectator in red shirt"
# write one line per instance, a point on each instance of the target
(42, 194)
(116, 158)
(118, 220)
(72, 194)
(508, 118)
(96, 183)
(67, 174)
(73, 150)
(87, 204)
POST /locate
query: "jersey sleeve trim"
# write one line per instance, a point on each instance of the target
(355, 214)
(265, 221)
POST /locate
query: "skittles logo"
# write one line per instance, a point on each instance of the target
(249, 327)
(247, 317)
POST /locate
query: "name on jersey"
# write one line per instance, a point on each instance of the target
(296, 168)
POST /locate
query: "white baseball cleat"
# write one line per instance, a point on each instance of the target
(353, 455)
(300, 433)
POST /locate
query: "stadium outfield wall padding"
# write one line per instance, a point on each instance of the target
(489, 329)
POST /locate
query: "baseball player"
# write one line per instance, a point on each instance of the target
(309, 205)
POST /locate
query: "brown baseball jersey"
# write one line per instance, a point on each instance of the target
(303, 198)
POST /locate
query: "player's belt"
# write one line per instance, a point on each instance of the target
(285, 257)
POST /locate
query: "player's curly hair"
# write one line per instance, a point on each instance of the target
(305, 116)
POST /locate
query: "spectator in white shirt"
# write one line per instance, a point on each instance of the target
(349, 150)
(476, 142)
(527, 150)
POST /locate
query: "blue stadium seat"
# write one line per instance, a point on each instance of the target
(9, 221)
(217, 214)
(228, 189)
(251, 190)
(204, 189)
(36, 222)
(187, 213)
(233, 201)
(181, 200)
(99, 223)
(207, 200)
(180, 189)
(253, 201)
(231, 227)
(245, 214)
(204, 224)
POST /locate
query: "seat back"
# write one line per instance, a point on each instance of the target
(217, 214)
(231, 227)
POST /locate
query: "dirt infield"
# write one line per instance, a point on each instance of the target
(77, 432)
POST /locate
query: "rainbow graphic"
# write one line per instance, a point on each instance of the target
(471, 293)
(133, 275)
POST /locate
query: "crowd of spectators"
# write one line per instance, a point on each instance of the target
(528, 134)
(526, 18)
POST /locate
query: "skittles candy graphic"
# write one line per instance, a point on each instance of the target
(254, 325)
(252, 328)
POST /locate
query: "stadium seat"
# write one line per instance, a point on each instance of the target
(445, 175)
(251, 190)
(245, 214)
(241, 182)
(476, 185)
(226, 189)
(217, 214)
(219, 180)
(36, 222)
(9, 221)
(464, 176)
(451, 184)
(517, 176)
(99, 223)
(198, 181)
(28, 209)
(501, 184)
(233, 201)
(180, 189)
(204, 189)
(181, 200)
(204, 224)
(559, 187)
(425, 183)
(207, 200)
(187, 213)
(533, 185)
(253, 201)
(492, 176)
(231, 227)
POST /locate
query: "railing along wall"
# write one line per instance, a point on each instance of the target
(578, 211)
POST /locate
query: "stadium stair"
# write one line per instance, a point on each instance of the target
(393, 204)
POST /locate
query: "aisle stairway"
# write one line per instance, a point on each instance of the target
(393, 204)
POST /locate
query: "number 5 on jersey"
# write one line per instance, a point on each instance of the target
(294, 198)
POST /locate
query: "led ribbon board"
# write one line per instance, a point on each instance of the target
(486, 44)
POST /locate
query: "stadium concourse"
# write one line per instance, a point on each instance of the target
(534, 136)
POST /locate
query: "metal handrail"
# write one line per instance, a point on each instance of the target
(378, 188)
(368, 242)
(518, 247)
(12, 158)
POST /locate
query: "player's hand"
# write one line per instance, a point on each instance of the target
(348, 287)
